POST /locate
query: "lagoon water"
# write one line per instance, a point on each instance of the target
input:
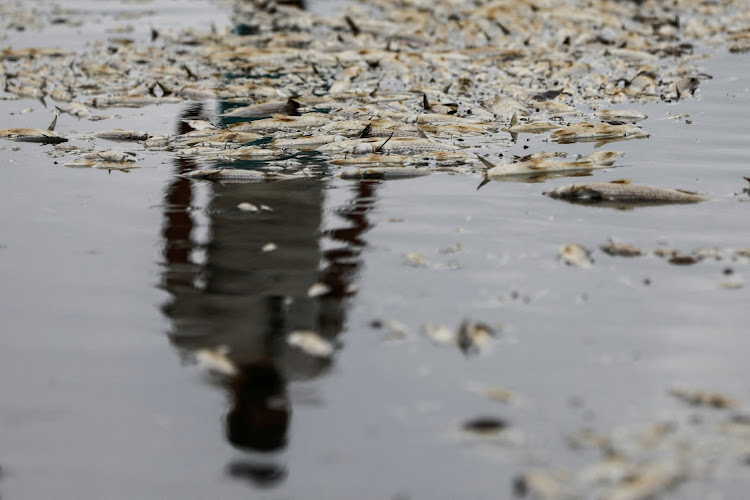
(111, 281)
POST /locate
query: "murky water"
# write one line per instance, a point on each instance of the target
(112, 280)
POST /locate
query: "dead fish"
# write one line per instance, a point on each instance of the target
(215, 362)
(373, 159)
(264, 109)
(235, 175)
(308, 142)
(386, 173)
(703, 398)
(318, 289)
(586, 131)
(283, 123)
(200, 125)
(77, 109)
(485, 425)
(110, 156)
(31, 135)
(34, 134)
(440, 335)
(623, 115)
(622, 191)
(541, 164)
(518, 127)
(573, 254)
(473, 337)
(440, 119)
(119, 134)
(621, 249)
(311, 343)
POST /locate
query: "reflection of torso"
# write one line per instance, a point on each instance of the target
(246, 298)
(230, 290)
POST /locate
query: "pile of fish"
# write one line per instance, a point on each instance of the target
(383, 89)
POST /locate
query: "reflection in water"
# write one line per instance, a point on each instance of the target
(226, 291)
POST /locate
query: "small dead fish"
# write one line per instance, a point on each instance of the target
(34, 134)
(215, 362)
(542, 164)
(473, 337)
(573, 254)
(119, 134)
(394, 172)
(235, 175)
(622, 191)
(110, 156)
(31, 135)
(623, 115)
(308, 142)
(586, 131)
(485, 425)
(519, 127)
(621, 249)
(440, 335)
(311, 343)
(703, 398)
(200, 125)
(264, 109)
(318, 289)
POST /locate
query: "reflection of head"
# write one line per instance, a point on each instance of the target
(259, 417)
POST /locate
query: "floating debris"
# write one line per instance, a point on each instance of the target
(573, 254)
(311, 343)
(621, 249)
(269, 247)
(440, 335)
(246, 206)
(215, 362)
(415, 259)
(474, 337)
(318, 289)
(703, 398)
(485, 425)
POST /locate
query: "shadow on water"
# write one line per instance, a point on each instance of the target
(226, 291)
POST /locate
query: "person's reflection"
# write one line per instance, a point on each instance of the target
(227, 291)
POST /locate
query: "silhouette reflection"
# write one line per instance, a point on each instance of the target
(226, 291)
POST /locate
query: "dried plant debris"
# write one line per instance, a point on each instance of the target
(386, 78)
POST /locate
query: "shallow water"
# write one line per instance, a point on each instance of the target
(111, 280)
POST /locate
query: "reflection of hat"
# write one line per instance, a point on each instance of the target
(259, 417)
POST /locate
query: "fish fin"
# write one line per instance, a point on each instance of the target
(425, 102)
(292, 105)
(422, 133)
(365, 132)
(484, 181)
(486, 163)
(621, 181)
(52, 125)
(514, 119)
(380, 148)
